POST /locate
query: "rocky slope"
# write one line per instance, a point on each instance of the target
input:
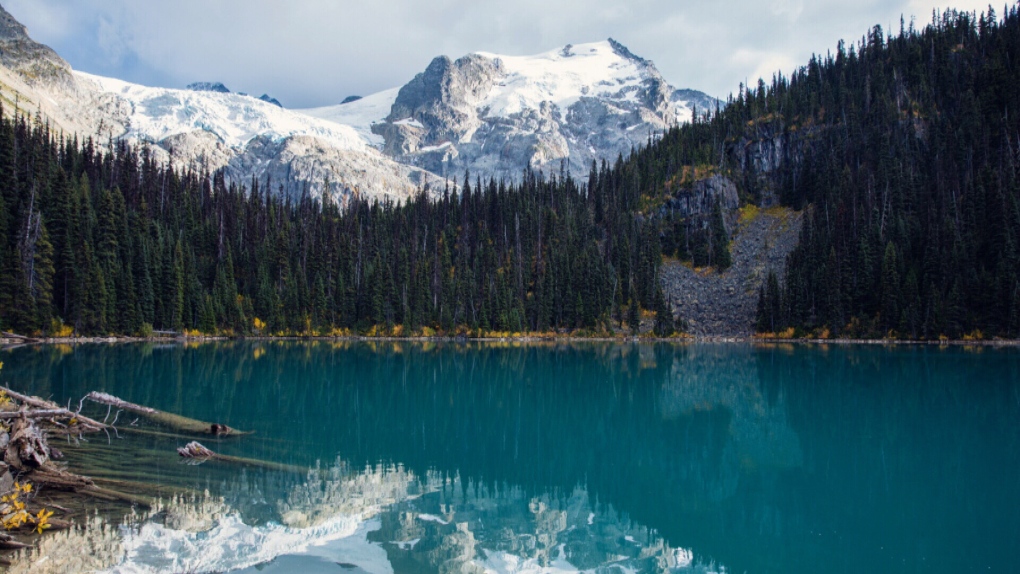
(202, 128)
(724, 304)
(495, 115)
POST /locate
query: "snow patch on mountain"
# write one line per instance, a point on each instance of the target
(159, 113)
(562, 77)
(360, 114)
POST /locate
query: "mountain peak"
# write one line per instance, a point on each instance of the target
(35, 62)
(10, 28)
(624, 52)
(270, 100)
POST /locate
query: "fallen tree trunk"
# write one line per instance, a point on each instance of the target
(195, 451)
(116, 495)
(39, 414)
(169, 419)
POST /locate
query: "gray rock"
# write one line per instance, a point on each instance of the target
(208, 87)
(700, 198)
(270, 100)
(6, 481)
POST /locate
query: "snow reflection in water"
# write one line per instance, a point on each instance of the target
(379, 520)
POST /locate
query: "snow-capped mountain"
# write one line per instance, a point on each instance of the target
(203, 127)
(495, 115)
(492, 114)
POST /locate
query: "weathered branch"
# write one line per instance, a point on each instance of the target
(38, 403)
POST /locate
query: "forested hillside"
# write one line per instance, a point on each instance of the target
(100, 243)
(903, 151)
(906, 153)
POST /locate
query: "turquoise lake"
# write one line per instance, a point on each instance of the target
(534, 458)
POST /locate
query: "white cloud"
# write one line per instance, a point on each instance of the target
(789, 9)
(111, 40)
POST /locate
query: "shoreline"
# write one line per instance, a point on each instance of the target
(19, 341)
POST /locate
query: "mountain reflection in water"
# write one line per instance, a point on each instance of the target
(528, 458)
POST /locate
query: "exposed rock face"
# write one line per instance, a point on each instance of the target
(303, 164)
(498, 115)
(270, 100)
(762, 154)
(439, 105)
(208, 87)
(35, 62)
(700, 198)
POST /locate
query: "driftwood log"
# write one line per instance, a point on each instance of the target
(177, 422)
(199, 453)
(16, 337)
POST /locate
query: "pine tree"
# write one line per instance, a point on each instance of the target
(890, 287)
(664, 323)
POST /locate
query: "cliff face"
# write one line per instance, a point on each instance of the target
(769, 157)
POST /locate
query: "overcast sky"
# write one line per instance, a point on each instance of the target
(316, 52)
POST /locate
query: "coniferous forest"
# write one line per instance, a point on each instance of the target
(114, 243)
(903, 150)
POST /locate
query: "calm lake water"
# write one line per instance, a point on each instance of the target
(556, 458)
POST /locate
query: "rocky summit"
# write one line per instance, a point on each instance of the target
(497, 115)
(36, 63)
